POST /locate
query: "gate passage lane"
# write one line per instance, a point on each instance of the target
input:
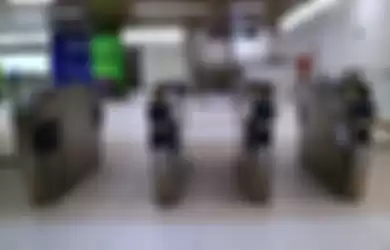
(121, 190)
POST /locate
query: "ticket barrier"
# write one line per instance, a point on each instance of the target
(169, 168)
(255, 161)
(58, 143)
(337, 134)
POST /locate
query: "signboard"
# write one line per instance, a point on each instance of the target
(304, 67)
(71, 59)
(108, 57)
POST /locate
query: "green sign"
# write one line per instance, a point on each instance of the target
(108, 57)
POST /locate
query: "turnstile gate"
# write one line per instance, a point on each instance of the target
(165, 138)
(336, 135)
(255, 161)
(58, 142)
(252, 170)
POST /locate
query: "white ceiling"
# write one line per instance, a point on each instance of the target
(33, 18)
(21, 18)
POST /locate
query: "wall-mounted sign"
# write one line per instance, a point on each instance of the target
(71, 59)
(304, 66)
(107, 57)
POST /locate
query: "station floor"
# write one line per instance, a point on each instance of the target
(114, 209)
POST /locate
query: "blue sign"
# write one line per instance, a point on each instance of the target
(71, 59)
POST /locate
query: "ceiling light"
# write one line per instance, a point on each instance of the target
(17, 39)
(252, 49)
(153, 35)
(30, 63)
(29, 2)
(133, 36)
(304, 12)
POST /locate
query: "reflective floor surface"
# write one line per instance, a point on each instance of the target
(114, 209)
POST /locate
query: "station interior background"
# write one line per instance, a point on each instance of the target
(113, 210)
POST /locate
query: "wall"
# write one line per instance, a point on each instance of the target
(163, 62)
(282, 76)
(22, 19)
(354, 34)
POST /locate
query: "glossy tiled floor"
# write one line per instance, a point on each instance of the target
(114, 210)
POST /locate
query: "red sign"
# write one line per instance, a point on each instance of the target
(304, 66)
(305, 63)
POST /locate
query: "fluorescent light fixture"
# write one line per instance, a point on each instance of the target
(29, 2)
(137, 36)
(30, 63)
(17, 39)
(305, 12)
(251, 49)
(153, 35)
(39, 63)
